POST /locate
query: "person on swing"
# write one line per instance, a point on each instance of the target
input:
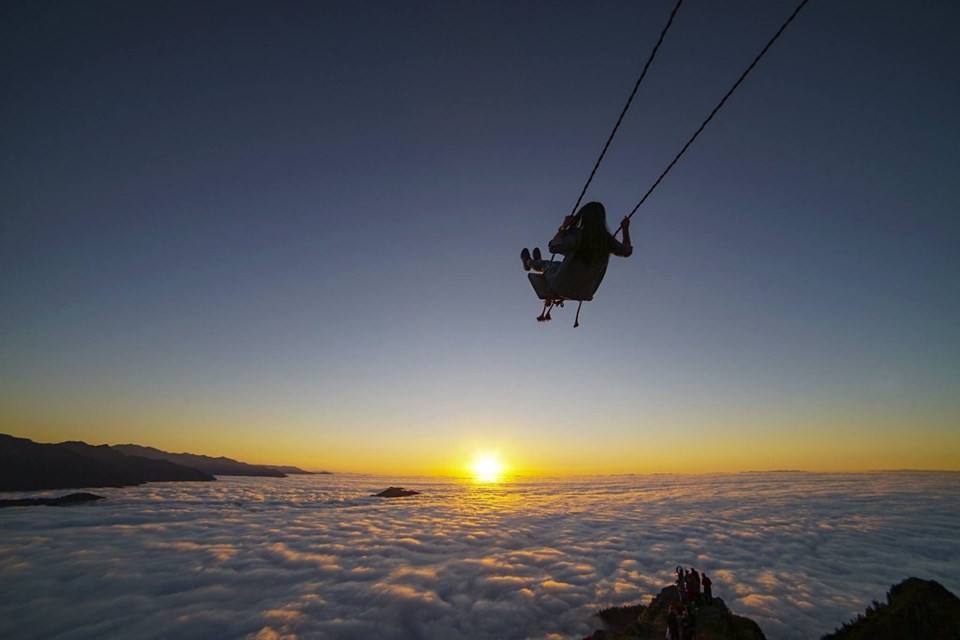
(586, 245)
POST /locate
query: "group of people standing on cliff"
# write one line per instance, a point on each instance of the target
(695, 589)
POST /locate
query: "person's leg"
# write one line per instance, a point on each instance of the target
(537, 263)
(540, 266)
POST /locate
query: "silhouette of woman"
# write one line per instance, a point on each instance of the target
(586, 245)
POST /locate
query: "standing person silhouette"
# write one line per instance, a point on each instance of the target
(707, 588)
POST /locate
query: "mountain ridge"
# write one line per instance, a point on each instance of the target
(215, 466)
(26, 465)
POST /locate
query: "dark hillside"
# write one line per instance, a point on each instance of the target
(915, 608)
(136, 469)
(29, 466)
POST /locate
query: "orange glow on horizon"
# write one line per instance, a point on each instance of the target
(810, 442)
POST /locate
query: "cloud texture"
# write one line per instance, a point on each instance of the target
(313, 557)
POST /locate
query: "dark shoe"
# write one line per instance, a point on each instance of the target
(536, 254)
(525, 257)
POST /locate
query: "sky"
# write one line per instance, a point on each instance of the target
(533, 559)
(289, 233)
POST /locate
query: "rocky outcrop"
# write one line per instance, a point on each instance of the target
(395, 492)
(639, 622)
(220, 466)
(915, 608)
(29, 466)
(62, 501)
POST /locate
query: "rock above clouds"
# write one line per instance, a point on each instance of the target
(649, 622)
(915, 608)
(395, 492)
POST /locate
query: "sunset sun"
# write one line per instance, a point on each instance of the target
(487, 468)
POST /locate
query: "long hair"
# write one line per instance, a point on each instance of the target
(594, 236)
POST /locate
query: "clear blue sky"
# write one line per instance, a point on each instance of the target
(290, 232)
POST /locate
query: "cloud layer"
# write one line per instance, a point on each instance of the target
(313, 557)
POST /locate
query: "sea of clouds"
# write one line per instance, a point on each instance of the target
(315, 557)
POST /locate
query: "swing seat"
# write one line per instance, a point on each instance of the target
(540, 286)
(550, 299)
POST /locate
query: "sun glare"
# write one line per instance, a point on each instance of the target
(487, 468)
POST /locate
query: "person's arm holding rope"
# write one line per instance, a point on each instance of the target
(623, 249)
(556, 245)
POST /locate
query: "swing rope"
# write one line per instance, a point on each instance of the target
(643, 74)
(729, 93)
(549, 304)
(616, 127)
